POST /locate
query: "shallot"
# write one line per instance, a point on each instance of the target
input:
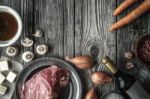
(100, 78)
(82, 62)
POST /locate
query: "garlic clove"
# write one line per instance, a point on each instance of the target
(38, 33)
(82, 62)
(91, 94)
(100, 78)
(129, 65)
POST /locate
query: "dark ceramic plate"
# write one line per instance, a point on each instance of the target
(72, 91)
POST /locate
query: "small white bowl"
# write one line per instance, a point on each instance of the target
(19, 21)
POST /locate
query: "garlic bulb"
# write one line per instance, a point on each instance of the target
(129, 65)
(91, 94)
(82, 62)
(128, 55)
(100, 78)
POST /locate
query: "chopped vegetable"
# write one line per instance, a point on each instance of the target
(2, 78)
(3, 90)
(4, 66)
(11, 76)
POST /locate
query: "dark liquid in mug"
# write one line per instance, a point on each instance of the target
(8, 26)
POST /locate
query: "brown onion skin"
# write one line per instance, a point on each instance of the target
(91, 94)
(100, 78)
(82, 62)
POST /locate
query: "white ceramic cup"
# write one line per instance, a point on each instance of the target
(19, 22)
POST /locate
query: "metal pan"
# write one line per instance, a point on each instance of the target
(72, 91)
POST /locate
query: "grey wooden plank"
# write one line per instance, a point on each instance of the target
(68, 7)
(57, 22)
(25, 9)
(126, 37)
(49, 17)
(92, 18)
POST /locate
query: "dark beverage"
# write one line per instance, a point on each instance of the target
(8, 26)
(124, 82)
(128, 85)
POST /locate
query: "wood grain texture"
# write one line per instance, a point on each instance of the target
(49, 17)
(57, 22)
(126, 37)
(79, 27)
(92, 18)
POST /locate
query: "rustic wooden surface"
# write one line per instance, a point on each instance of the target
(78, 27)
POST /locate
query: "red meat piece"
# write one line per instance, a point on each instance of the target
(45, 84)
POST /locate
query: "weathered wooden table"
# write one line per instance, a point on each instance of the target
(78, 27)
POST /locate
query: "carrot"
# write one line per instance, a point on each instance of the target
(123, 6)
(144, 7)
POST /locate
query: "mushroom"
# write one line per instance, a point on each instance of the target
(42, 49)
(38, 33)
(27, 42)
(11, 51)
(28, 56)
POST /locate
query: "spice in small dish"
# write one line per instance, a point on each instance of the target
(143, 49)
(112, 95)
